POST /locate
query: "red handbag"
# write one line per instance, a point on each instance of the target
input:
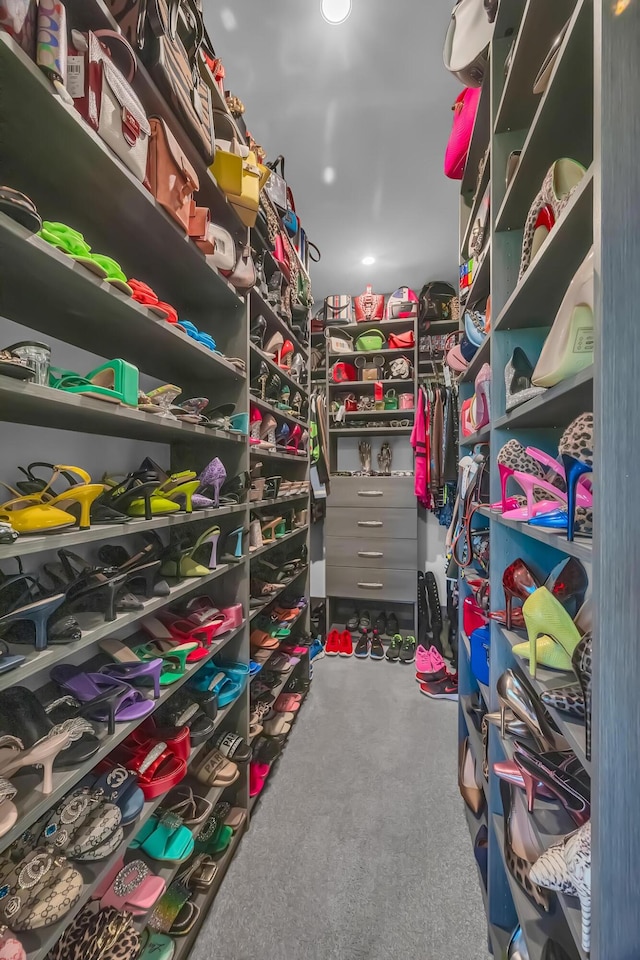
(369, 306)
(402, 341)
(342, 372)
(464, 117)
(281, 256)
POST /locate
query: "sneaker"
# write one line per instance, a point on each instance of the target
(362, 647)
(445, 689)
(316, 650)
(392, 625)
(346, 644)
(380, 624)
(429, 661)
(393, 650)
(377, 649)
(332, 646)
(407, 650)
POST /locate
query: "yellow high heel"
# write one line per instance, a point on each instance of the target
(178, 487)
(28, 514)
(553, 636)
(149, 504)
(83, 493)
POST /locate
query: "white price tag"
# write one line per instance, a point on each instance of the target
(75, 76)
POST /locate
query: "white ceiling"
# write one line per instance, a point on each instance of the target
(371, 100)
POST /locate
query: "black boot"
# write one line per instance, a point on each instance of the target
(425, 637)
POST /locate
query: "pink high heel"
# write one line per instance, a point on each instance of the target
(483, 396)
(255, 422)
(14, 757)
(294, 439)
(533, 508)
(548, 461)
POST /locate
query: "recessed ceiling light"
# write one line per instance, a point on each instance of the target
(328, 174)
(336, 11)
(228, 18)
(368, 261)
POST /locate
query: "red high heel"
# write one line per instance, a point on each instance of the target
(294, 439)
(518, 581)
(284, 356)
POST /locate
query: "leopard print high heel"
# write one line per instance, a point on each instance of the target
(517, 841)
(557, 189)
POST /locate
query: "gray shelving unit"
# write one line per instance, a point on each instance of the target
(583, 114)
(82, 183)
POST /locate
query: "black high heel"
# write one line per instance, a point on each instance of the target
(81, 580)
(143, 566)
(100, 513)
(235, 489)
(257, 331)
(22, 715)
(24, 601)
(137, 485)
(573, 793)
(259, 377)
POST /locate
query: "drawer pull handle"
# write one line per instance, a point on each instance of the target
(371, 586)
(370, 493)
(370, 553)
(369, 523)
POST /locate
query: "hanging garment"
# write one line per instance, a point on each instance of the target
(436, 444)
(418, 441)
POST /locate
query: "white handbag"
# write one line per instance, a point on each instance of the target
(109, 103)
(220, 241)
(243, 275)
(339, 341)
(467, 42)
(338, 307)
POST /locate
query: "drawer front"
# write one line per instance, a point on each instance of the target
(371, 584)
(372, 492)
(372, 523)
(392, 554)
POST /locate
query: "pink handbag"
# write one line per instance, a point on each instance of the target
(406, 401)
(464, 117)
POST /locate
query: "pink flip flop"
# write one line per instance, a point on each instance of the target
(287, 703)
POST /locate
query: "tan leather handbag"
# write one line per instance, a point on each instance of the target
(172, 179)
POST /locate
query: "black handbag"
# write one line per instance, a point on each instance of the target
(169, 35)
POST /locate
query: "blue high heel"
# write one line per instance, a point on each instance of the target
(574, 470)
(239, 423)
(233, 554)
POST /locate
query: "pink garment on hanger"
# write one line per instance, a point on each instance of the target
(419, 442)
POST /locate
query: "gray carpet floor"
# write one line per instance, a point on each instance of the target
(359, 848)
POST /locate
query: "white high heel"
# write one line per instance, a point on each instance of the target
(566, 867)
(568, 348)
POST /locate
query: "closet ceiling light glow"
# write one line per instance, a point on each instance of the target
(328, 174)
(336, 11)
(368, 261)
(228, 18)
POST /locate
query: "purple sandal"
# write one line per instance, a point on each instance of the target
(123, 703)
(146, 670)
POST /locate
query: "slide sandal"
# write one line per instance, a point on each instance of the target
(123, 703)
(118, 785)
(72, 243)
(168, 841)
(216, 771)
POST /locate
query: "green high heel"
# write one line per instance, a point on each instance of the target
(115, 381)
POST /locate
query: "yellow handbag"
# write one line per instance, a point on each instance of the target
(239, 179)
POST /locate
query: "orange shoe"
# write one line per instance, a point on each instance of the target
(332, 646)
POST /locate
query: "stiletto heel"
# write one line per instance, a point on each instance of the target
(255, 535)
(518, 582)
(505, 473)
(512, 693)
(209, 536)
(294, 439)
(581, 663)
(574, 470)
(573, 793)
(520, 847)
(566, 867)
(268, 432)
(553, 636)
(529, 788)
(14, 757)
(211, 479)
(37, 612)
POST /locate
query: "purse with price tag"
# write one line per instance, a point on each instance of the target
(100, 69)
